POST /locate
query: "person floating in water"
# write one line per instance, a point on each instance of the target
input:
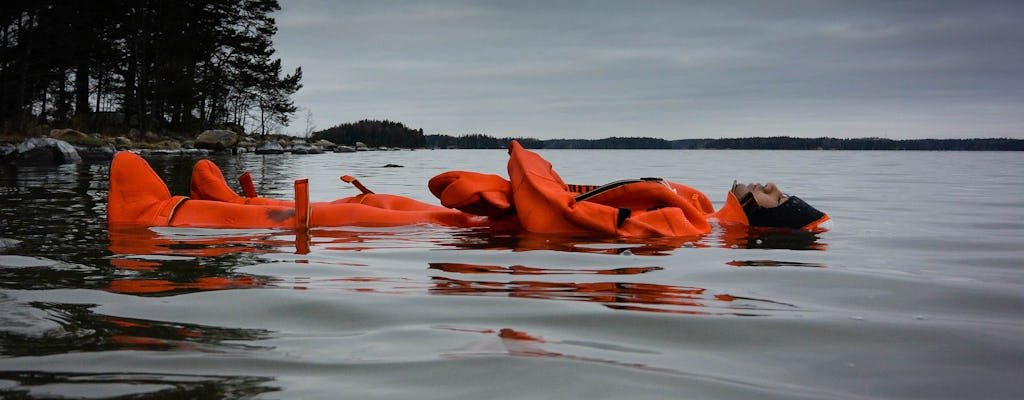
(533, 199)
(537, 199)
(766, 206)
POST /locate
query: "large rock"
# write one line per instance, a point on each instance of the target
(122, 142)
(7, 150)
(270, 147)
(42, 151)
(304, 148)
(325, 144)
(217, 139)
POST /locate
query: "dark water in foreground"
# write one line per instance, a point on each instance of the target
(917, 292)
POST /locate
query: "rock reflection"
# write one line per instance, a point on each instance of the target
(84, 330)
(37, 384)
(38, 273)
(635, 296)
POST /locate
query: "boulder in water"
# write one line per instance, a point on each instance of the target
(270, 147)
(43, 151)
(304, 148)
(325, 144)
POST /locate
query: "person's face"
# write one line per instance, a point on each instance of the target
(767, 195)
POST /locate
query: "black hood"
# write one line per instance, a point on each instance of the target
(794, 213)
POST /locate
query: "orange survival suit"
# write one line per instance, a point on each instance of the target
(534, 199)
(139, 197)
(543, 203)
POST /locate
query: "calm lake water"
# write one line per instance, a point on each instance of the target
(917, 292)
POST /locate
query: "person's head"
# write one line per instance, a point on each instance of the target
(767, 206)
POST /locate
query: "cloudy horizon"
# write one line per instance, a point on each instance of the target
(675, 70)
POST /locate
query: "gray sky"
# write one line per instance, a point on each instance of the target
(671, 69)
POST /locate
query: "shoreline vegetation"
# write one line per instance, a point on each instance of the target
(123, 68)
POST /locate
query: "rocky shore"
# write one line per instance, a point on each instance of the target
(67, 146)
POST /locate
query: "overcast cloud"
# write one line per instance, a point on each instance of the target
(671, 69)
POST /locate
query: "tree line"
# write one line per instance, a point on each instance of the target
(157, 65)
(478, 141)
(373, 133)
(609, 143)
(826, 143)
(376, 133)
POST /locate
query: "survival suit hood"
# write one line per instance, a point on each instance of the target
(794, 213)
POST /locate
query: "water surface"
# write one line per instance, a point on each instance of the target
(917, 292)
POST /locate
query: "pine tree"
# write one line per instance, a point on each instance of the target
(168, 65)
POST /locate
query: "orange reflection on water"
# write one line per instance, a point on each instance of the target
(140, 240)
(182, 255)
(142, 286)
(524, 270)
(636, 296)
(518, 343)
(722, 237)
(525, 241)
(134, 334)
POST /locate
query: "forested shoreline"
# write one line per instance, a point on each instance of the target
(827, 143)
(477, 141)
(161, 66)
